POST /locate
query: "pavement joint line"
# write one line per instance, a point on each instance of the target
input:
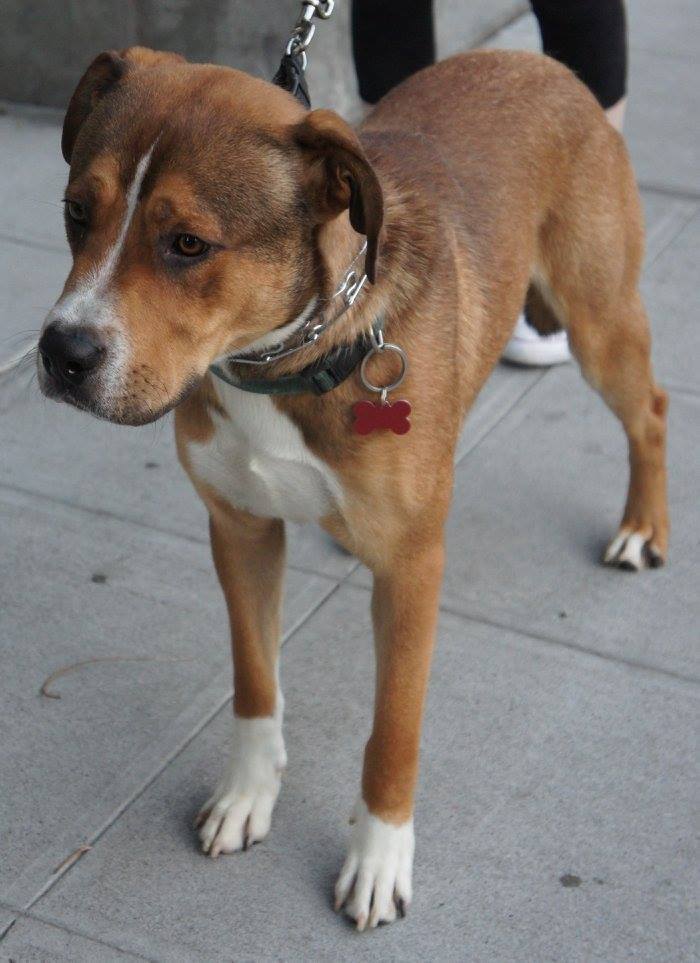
(101, 513)
(679, 193)
(64, 928)
(506, 21)
(552, 640)
(663, 54)
(647, 265)
(4, 932)
(182, 745)
(37, 113)
(34, 244)
(143, 525)
(676, 389)
(689, 680)
(504, 414)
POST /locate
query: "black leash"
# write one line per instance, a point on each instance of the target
(291, 73)
(290, 76)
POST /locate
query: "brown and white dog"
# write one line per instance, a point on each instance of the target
(208, 212)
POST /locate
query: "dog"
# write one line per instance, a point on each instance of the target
(214, 221)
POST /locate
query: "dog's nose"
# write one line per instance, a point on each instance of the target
(70, 354)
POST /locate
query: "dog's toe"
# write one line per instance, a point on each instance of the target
(374, 885)
(633, 551)
(236, 821)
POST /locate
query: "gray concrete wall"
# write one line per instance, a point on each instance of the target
(46, 44)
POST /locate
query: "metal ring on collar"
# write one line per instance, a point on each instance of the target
(385, 346)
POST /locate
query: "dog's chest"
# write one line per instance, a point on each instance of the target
(258, 461)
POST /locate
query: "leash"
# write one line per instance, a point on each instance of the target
(331, 370)
(291, 73)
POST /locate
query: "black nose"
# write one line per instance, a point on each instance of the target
(70, 354)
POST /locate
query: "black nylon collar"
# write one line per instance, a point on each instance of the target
(318, 378)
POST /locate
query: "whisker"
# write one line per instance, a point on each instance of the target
(20, 336)
(18, 361)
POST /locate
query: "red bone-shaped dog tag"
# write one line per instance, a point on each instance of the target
(370, 415)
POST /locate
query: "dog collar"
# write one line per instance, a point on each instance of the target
(318, 378)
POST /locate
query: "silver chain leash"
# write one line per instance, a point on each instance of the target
(304, 28)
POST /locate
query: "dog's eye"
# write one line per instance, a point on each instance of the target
(189, 245)
(76, 212)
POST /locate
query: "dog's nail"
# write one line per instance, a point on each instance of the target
(361, 922)
(246, 835)
(401, 907)
(627, 566)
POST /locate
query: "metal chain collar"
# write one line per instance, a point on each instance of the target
(304, 28)
(312, 329)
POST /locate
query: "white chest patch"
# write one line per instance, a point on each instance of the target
(258, 461)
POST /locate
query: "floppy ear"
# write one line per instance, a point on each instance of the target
(103, 73)
(341, 178)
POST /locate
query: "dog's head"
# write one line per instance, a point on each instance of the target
(193, 210)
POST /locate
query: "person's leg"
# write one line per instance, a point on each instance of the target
(590, 37)
(390, 41)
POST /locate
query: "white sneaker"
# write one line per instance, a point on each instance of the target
(528, 347)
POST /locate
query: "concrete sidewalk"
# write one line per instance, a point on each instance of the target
(559, 781)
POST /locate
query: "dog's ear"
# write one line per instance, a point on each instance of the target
(103, 74)
(341, 178)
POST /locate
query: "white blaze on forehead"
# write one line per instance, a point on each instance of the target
(89, 302)
(107, 267)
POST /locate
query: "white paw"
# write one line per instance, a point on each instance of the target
(375, 881)
(633, 551)
(240, 811)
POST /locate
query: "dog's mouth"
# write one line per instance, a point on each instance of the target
(122, 409)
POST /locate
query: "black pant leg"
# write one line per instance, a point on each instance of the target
(590, 37)
(391, 39)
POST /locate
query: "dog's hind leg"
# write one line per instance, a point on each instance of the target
(614, 357)
(592, 286)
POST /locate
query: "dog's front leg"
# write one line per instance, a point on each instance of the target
(249, 558)
(375, 881)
